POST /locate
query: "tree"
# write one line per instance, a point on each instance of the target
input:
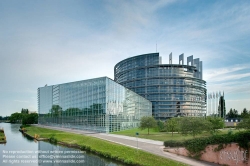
(147, 122)
(30, 118)
(244, 114)
(16, 117)
(194, 125)
(160, 125)
(172, 125)
(217, 123)
(24, 111)
(222, 107)
(233, 113)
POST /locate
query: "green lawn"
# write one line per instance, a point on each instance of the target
(115, 151)
(163, 136)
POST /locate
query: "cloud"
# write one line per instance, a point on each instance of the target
(225, 73)
(231, 79)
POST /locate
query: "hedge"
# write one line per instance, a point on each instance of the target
(197, 145)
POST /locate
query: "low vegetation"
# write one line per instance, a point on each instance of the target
(2, 136)
(24, 117)
(111, 150)
(197, 145)
(244, 124)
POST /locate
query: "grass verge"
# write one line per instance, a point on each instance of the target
(111, 150)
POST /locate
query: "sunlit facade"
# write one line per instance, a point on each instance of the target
(173, 89)
(99, 105)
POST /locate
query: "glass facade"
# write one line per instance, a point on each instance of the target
(99, 105)
(173, 89)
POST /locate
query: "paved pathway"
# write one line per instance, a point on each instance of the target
(151, 146)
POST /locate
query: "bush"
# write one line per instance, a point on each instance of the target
(197, 145)
(53, 140)
(244, 124)
(173, 143)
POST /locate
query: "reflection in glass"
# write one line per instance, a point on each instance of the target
(173, 89)
(99, 105)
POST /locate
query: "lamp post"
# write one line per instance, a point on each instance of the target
(137, 139)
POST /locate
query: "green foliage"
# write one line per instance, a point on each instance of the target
(52, 139)
(24, 111)
(244, 124)
(233, 113)
(24, 117)
(160, 126)
(4, 118)
(216, 122)
(222, 107)
(173, 143)
(194, 125)
(2, 137)
(16, 117)
(172, 125)
(147, 122)
(245, 114)
(197, 145)
(30, 118)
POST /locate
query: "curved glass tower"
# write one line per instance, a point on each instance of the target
(173, 89)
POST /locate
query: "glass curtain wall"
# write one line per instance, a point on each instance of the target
(173, 89)
(99, 105)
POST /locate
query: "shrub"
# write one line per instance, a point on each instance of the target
(53, 140)
(197, 145)
(173, 143)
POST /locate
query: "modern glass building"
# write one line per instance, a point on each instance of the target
(99, 105)
(173, 89)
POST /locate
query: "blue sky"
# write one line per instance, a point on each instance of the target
(52, 42)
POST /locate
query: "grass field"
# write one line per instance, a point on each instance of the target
(163, 136)
(115, 151)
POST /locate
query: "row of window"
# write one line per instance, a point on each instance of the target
(145, 60)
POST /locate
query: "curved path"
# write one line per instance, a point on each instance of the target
(151, 146)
